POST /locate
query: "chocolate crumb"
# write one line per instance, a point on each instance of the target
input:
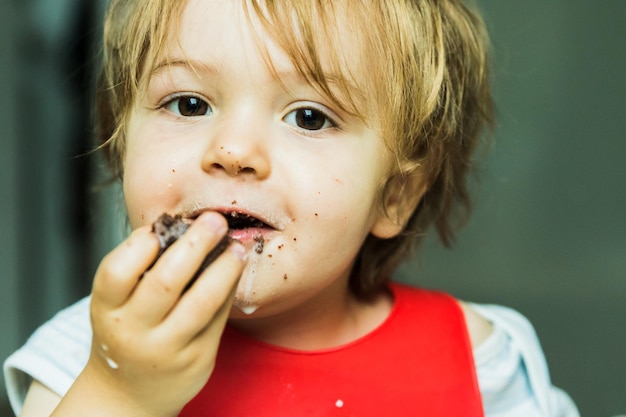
(259, 242)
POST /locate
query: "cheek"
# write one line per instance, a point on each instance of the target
(345, 206)
(358, 204)
(350, 191)
(149, 187)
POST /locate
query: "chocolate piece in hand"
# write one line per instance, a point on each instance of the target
(169, 228)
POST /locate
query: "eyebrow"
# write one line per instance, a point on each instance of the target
(195, 66)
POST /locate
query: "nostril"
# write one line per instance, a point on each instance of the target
(233, 169)
(234, 161)
(237, 168)
(217, 166)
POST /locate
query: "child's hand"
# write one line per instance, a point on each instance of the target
(153, 348)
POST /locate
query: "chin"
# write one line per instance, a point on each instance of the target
(259, 286)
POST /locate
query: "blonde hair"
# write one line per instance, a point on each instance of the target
(422, 69)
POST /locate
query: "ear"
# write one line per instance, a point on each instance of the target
(404, 192)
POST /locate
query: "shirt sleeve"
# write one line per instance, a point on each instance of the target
(54, 355)
(512, 371)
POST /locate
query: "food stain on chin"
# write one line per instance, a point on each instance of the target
(249, 309)
(245, 289)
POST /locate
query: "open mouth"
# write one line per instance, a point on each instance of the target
(240, 221)
(244, 227)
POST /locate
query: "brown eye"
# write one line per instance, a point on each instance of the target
(308, 119)
(188, 106)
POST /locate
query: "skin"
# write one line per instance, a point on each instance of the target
(212, 131)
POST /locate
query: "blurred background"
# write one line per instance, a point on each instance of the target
(547, 237)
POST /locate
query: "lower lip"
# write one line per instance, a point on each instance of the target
(249, 235)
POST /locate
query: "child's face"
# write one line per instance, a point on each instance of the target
(214, 130)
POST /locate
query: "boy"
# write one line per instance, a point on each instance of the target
(339, 132)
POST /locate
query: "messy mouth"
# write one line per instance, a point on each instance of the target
(238, 221)
(243, 227)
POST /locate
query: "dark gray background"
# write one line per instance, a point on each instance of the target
(548, 235)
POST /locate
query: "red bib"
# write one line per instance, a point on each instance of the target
(417, 363)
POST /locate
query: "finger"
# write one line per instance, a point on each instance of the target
(162, 285)
(208, 301)
(202, 347)
(120, 269)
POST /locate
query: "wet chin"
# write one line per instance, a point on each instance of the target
(245, 303)
(261, 286)
(249, 295)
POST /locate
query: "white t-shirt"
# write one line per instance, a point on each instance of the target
(511, 368)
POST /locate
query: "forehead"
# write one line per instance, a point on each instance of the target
(286, 22)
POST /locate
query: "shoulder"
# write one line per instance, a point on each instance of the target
(40, 401)
(54, 355)
(478, 327)
(512, 371)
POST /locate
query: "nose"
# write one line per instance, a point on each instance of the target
(238, 148)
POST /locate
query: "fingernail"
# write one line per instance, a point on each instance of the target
(239, 250)
(214, 221)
